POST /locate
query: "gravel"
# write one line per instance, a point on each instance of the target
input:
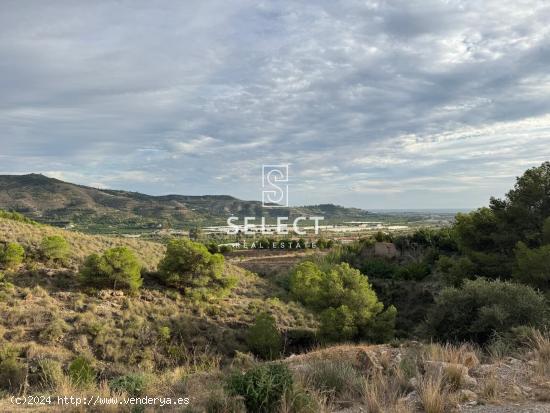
(510, 408)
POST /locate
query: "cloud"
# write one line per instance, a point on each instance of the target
(374, 104)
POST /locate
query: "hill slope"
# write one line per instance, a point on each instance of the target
(54, 201)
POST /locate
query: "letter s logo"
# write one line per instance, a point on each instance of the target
(275, 186)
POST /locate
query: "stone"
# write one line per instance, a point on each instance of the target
(467, 396)
(470, 360)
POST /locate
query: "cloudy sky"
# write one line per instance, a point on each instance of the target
(390, 104)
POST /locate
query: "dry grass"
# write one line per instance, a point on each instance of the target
(433, 394)
(491, 388)
(465, 354)
(540, 344)
(383, 390)
(453, 376)
(82, 245)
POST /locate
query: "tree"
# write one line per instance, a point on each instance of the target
(347, 304)
(338, 324)
(305, 284)
(525, 208)
(55, 248)
(188, 265)
(478, 309)
(117, 266)
(263, 338)
(455, 270)
(11, 255)
(533, 266)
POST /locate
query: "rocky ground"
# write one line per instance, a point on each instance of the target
(469, 381)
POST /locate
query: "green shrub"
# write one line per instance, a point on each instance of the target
(481, 308)
(131, 384)
(188, 265)
(13, 374)
(378, 268)
(347, 304)
(117, 267)
(306, 284)
(81, 372)
(263, 338)
(455, 270)
(11, 255)
(55, 248)
(261, 387)
(336, 377)
(51, 373)
(54, 331)
(16, 216)
(416, 271)
(533, 266)
(338, 324)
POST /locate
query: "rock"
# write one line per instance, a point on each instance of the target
(483, 370)
(469, 382)
(470, 360)
(513, 362)
(367, 361)
(467, 396)
(515, 391)
(440, 368)
(412, 400)
(542, 395)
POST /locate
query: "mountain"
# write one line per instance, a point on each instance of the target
(57, 202)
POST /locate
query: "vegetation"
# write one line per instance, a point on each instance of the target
(190, 267)
(261, 387)
(348, 306)
(81, 372)
(55, 248)
(117, 267)
(200, 324)
(481, 308)
(11, 255)
(263, 338)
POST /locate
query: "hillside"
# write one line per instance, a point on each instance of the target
(57, 202)
(162, 342)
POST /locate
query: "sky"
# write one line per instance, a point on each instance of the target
(372, 104)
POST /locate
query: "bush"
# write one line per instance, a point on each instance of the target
(533, 266)
(11, 255)
(416, 271)
(262, 387)
(336, 377)
(117, 267)
(263, 337)
(55, 248)
(188, 265)
(347, 304)
(13, 375)
(81, 372)
(131, 384)
(481, 308)
(54, 331)
(338, 324)
(455, 270)
(51, 373)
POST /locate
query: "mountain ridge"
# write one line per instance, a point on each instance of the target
(53, 201)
